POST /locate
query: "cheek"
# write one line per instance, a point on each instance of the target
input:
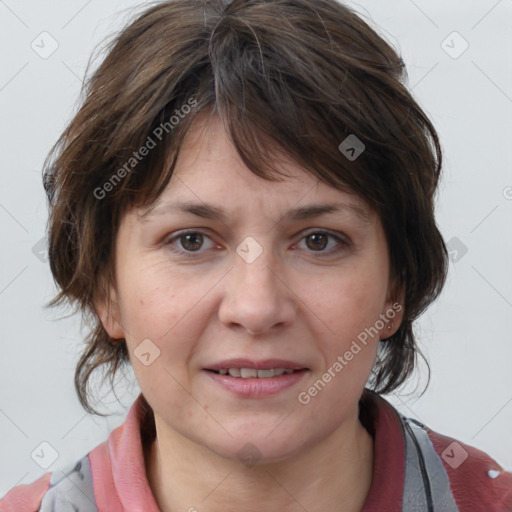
(154, 299)
(345, 313)
(159, 319)
(348, 301)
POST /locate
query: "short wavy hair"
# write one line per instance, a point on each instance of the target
(293, 77)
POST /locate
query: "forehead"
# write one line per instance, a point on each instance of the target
(209, 159)
(211, 180)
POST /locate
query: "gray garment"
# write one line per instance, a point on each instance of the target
(71, 490)
(426, 486)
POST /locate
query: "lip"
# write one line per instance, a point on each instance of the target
(255, 387)
(266, 364)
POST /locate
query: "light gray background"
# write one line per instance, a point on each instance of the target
(466, 334)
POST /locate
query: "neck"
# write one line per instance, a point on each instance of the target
(335, 474)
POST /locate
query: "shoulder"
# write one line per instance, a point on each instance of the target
(458, 476)
(438, 472)
(68, 490)
(475, 477)
(90, 483)
(26, 497)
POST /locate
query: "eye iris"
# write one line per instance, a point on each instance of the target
(319, 241)
(192, 241)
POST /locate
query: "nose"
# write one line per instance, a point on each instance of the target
(257, 297)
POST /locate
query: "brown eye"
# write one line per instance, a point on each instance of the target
(190, 244)
(317, 241)
(323, 243)
(191, 241)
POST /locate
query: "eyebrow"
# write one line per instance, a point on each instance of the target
(212, 212)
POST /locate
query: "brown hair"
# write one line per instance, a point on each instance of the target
(293, 77)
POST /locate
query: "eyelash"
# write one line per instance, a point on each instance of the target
(342, 243)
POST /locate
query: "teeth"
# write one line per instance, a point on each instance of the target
(251, 373)
(247, 373)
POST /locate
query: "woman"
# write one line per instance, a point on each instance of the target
(244, 206)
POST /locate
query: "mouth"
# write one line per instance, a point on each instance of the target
(256, 379)
(253, 373)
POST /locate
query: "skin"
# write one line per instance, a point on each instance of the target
(302, 299)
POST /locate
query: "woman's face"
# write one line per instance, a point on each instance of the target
(228, 270)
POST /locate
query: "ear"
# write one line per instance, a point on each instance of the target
(393, 311)
(107, 308)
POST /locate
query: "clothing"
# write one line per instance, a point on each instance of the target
(410, 459)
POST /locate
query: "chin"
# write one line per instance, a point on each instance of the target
(261, 444)
(251, 454)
